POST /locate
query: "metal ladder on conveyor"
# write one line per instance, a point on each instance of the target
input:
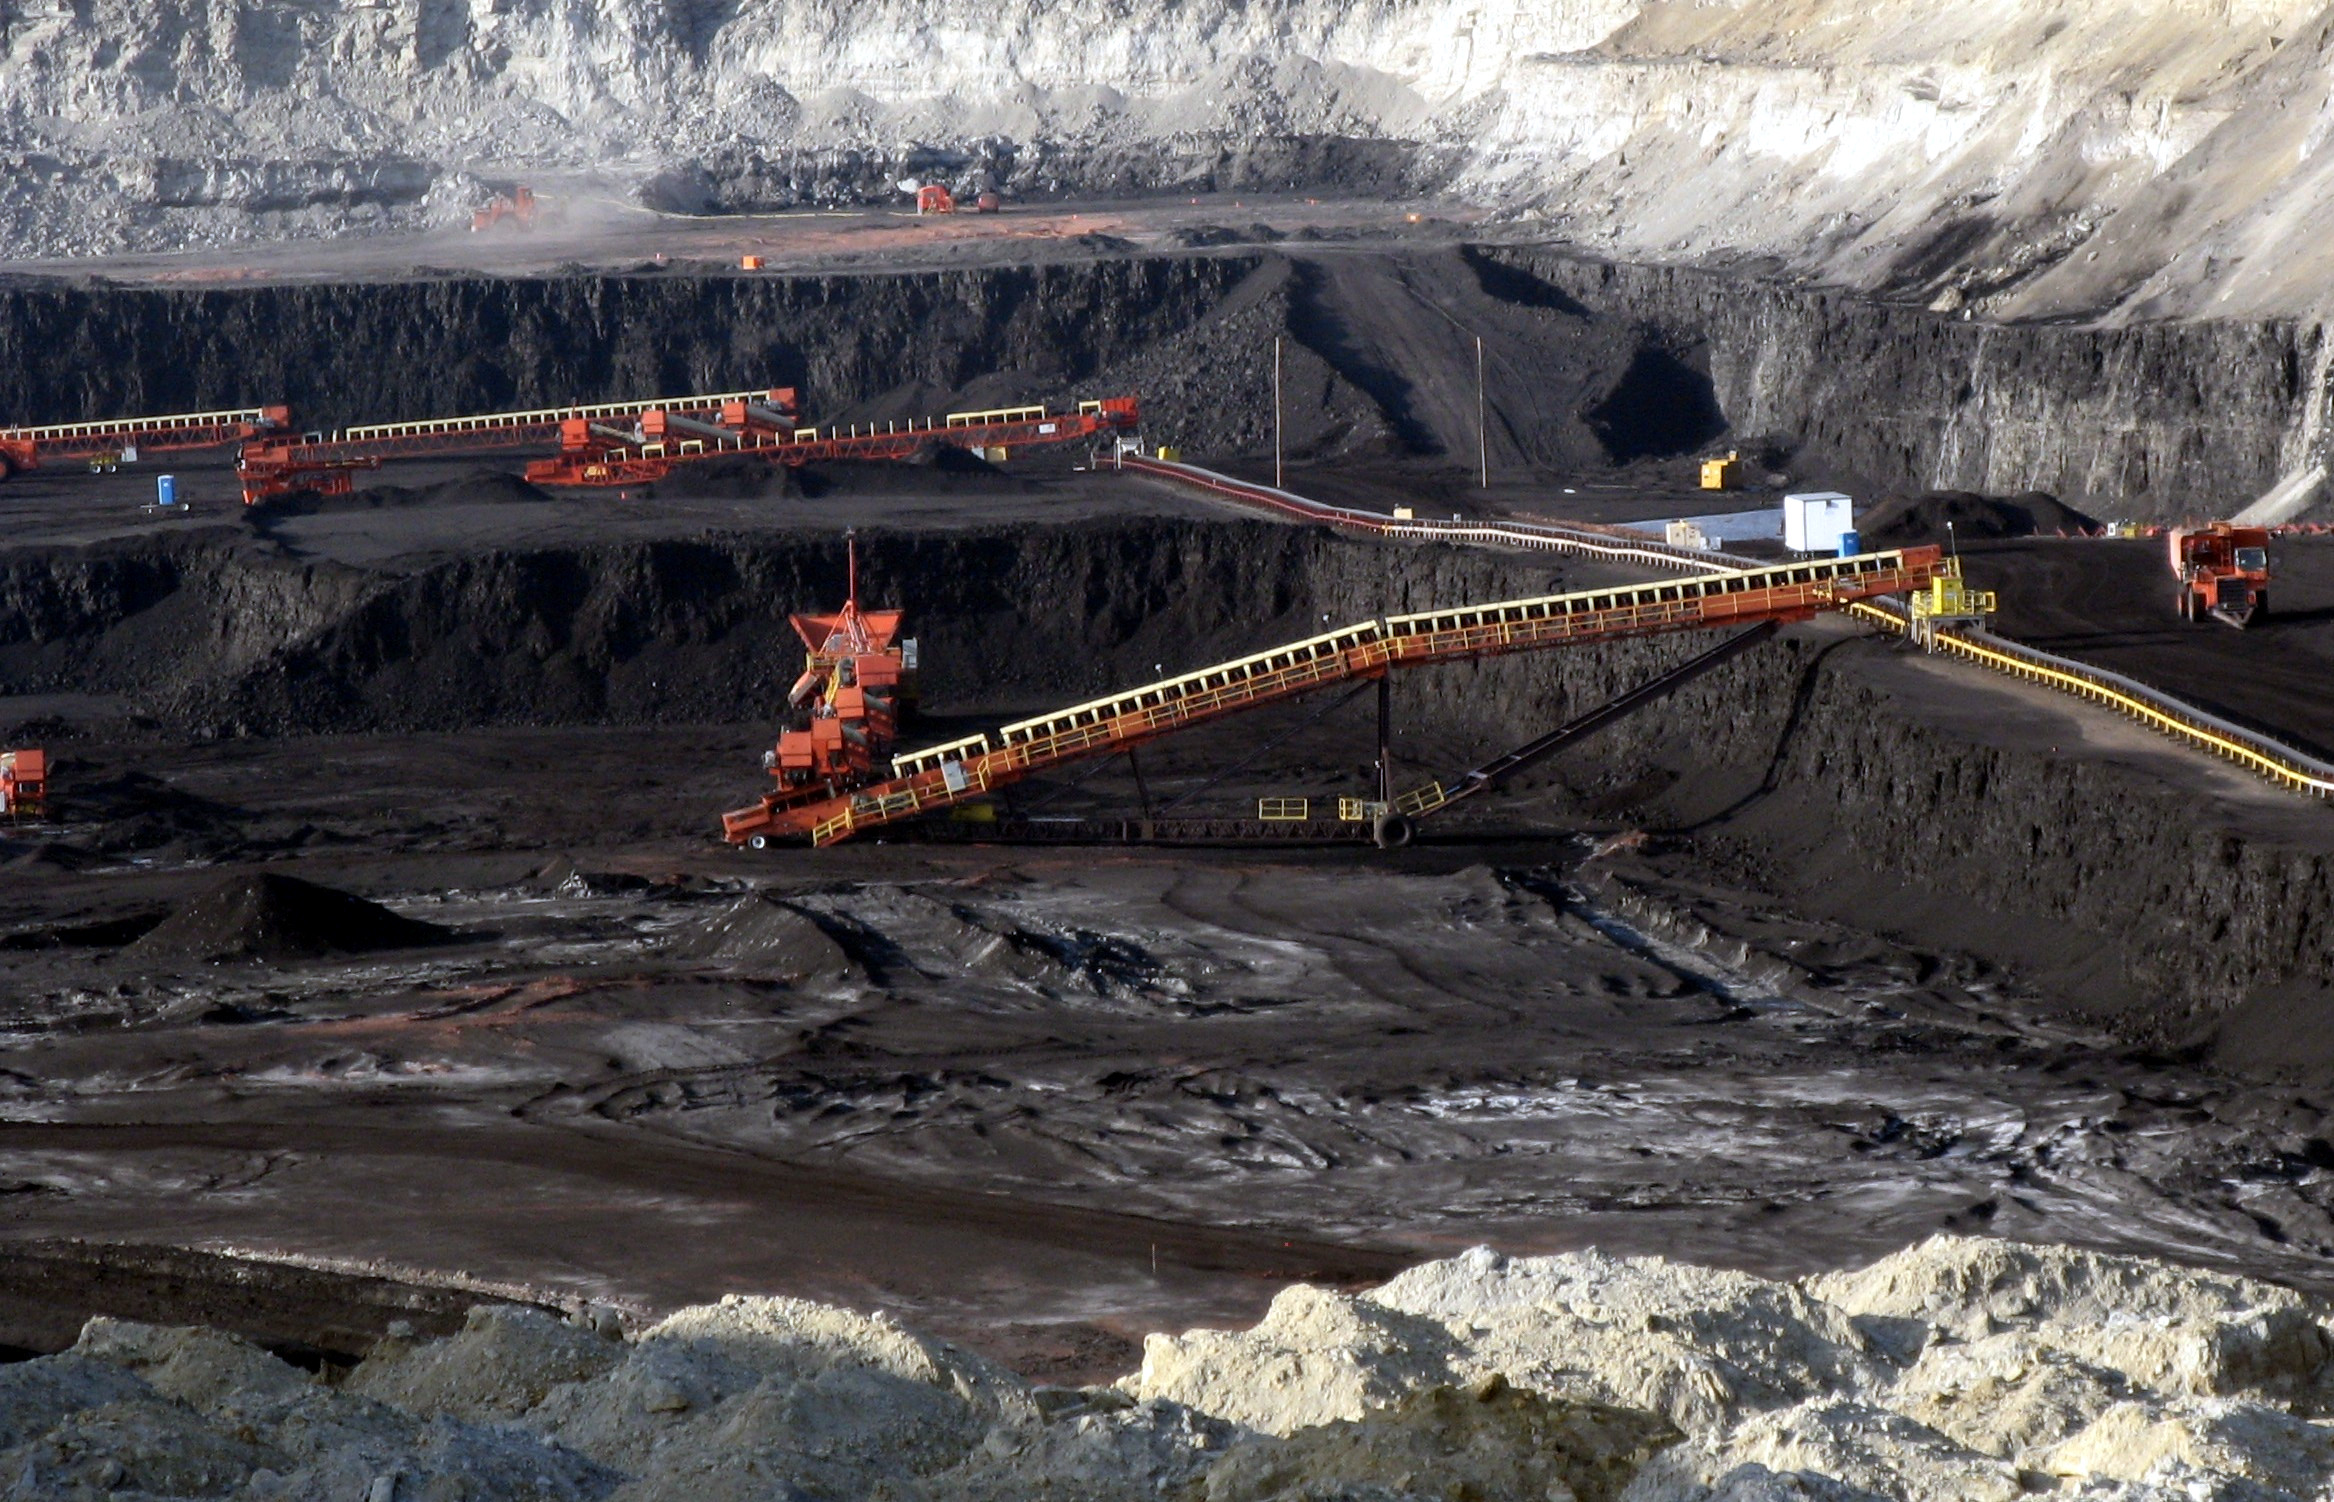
(943, 775)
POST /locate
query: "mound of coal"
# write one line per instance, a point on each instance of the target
(762, 933)
(137, 811)
(49, 855)
(944, 470)
(1899, 520)
(263, 916)
(485, 488)
(1204, 236)
(729, 480)
(100, 933)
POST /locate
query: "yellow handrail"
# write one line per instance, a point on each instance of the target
(2279, 764)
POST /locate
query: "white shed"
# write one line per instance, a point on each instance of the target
(1814, 520)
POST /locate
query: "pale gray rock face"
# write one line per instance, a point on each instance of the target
(1952, 1371)
(2072, 155)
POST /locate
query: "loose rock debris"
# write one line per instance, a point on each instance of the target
(1957, 1369)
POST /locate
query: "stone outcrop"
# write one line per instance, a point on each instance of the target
(1953, 1370)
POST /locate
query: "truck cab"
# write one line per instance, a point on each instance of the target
(2223, 571)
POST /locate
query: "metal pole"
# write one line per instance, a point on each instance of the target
(1142, 789)
(1386, 739)
(1482, 424)
(1277, 413)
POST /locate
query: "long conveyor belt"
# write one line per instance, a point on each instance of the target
(960, 770)
(2261, 754)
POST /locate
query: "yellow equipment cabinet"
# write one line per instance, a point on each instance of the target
(1948, 602)
(1722, 474)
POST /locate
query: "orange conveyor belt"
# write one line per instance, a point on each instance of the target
(961, 770)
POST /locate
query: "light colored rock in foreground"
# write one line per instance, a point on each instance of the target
(1955, 1371)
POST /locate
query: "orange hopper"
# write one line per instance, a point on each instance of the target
(844, 710)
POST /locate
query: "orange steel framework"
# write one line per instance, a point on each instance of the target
(606, 443)
(26, 447)
(274, 466)
(595, 455)
(961, 770)
(847, 702)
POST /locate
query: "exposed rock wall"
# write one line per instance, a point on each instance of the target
(2166, 419)
(2067, 157)
(2120, 899)
(2205, 921)
(676, 631)
(381, 351)
(2152, 421)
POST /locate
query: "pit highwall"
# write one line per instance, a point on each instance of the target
(1774, 772)
(2147, 421)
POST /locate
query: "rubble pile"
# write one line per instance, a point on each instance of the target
(1956, 1370)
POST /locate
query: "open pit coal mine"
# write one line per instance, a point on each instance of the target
(1857, 1075)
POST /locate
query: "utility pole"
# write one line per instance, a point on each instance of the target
(1386, 739)
(1482, 424)
(1276, 428)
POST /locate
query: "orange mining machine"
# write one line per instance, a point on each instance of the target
(24, 783)
(935, 198)
(518, 209)
(2223, 571)
(843, 713)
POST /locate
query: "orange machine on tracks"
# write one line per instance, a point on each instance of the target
(963, 770)
(112, 440)
(845, 709)
(2223, 571)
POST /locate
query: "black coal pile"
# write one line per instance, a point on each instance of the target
(943, 469)
(761, 933)
(265, 916)
(46, 855)
(139, 812)
(736, 479)
(1900, 520)
(484, 488)
(481, 488)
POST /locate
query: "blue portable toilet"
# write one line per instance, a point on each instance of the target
(166, 490)
(1850, 544)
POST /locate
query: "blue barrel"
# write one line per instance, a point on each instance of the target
(166, 490)
(1850, 544)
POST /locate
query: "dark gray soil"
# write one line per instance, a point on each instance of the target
(379, 922)
(1878, 930)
